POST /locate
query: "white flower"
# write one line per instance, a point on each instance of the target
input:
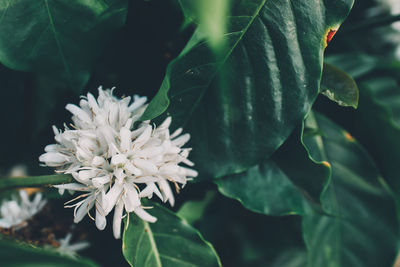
(116, 162)
(15, 212)
(70, 249)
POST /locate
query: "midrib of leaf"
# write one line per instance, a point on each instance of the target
(152, 243)
(229, 53)
(51, 21)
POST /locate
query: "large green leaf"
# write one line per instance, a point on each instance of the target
(241, 103)
(362, 228)
(59, 38)
(378, 113)
(170, 241)
(290, 182)
(22, 255)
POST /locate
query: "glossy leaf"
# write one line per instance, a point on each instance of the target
(22, 255)
(170, 241)
(338, 86)
(290, 182)
(378, 113)
(57, 38)
(241, 103)
(362, 227)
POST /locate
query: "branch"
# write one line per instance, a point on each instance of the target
(35, 181)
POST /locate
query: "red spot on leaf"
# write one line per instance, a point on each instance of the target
(330, 35)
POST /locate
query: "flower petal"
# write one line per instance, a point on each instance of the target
(144, 215)
(117, 219)
(130, 197)
(112, 196)
(166, 191)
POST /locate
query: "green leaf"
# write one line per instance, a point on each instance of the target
(22, 255)
(379, 116)
(339, 87)
(290, 182)
(57, 38)
(376, 122)
(362, 228)
(211, 17)
(356, 64)
(193, 211)
(170, 241)
(240, 104)
(291, 258)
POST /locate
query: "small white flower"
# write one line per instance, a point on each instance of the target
(116, 160)
(70, 249)
(15, 212)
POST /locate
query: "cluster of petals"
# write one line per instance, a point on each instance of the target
(116, 159)
(16, 211)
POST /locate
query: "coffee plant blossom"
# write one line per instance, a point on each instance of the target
(115, 163)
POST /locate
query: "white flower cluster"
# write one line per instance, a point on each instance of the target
(114, 162)
(15, 212)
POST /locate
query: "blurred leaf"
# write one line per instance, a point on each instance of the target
(356, 64)
(57, 38)
(376, 122)
(291, 258)
(192, 211)
(211, 17)
(241, 104)
(378, 115)
(170, 241)
(22, 255)
(290, 182)
(362, 228)
(339, 87)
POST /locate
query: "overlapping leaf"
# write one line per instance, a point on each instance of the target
(170, 242)
(378, 113)
(241, 102)
(290, 182)
(362, 228)
(58, 38)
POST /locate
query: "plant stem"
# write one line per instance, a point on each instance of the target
(373, 23)
(34, 181)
